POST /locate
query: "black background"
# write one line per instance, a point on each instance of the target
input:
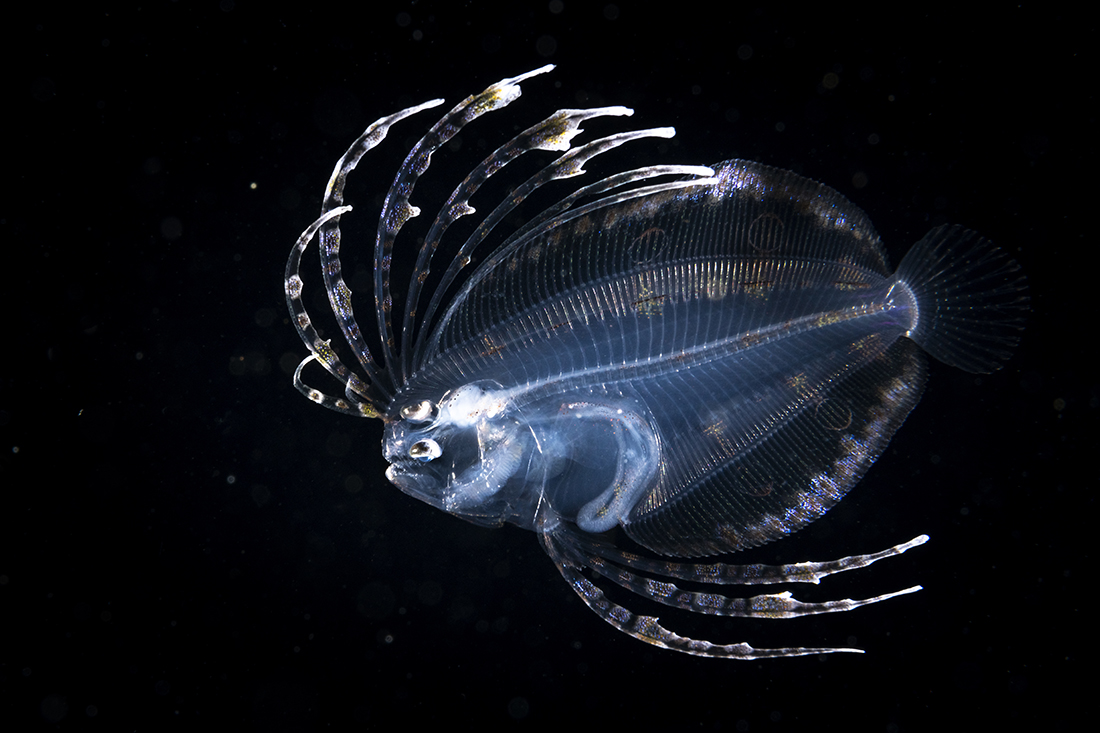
(187, 541)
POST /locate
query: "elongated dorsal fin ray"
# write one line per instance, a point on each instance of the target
(569, 164)
(375, 392)
(350, 404)
(332, 270)
(554, 133)
(397, 210)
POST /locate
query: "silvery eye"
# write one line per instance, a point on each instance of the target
(421, 412)
(425, 450)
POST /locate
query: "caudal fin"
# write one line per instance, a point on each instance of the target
(971, 298)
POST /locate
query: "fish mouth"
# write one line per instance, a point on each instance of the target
(417, 480)
(402, 475)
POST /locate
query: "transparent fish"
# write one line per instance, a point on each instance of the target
(702, 359)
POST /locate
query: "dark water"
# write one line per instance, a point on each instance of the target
(187, 540)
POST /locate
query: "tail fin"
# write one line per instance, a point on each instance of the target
(971, 298)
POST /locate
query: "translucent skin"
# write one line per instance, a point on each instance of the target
(706, 363)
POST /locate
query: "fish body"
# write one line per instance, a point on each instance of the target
(704, 359)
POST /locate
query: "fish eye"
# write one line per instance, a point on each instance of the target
(421, 412)
(425, 450)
